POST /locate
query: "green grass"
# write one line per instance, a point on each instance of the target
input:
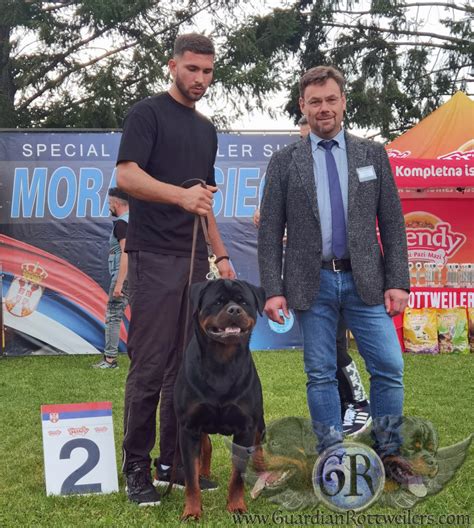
(438, 388)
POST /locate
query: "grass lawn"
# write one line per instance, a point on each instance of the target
(438, 388)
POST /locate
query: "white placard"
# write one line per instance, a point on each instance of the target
(79, 448)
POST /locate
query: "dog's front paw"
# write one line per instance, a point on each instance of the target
(192, 513)
(236, 506)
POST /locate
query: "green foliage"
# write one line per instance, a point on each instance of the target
(397, 71)
(82, 63)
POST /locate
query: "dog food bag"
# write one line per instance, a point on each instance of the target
(420, 331)
(470, 313)
(452, 331)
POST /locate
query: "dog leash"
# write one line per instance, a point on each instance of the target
(212, 274)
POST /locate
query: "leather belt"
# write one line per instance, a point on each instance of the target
(337, 265)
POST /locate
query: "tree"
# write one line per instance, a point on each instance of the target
(83, 63)
(397, 69)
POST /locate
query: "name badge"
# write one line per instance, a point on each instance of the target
(366, 173)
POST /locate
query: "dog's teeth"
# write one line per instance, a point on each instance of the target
(232, 330)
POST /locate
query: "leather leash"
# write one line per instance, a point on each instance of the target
(213, 274)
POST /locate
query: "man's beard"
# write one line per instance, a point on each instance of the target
(185, 93)
(113, 213)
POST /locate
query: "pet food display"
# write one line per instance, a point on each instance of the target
(452, 331)
(420, 333)
(470, 313)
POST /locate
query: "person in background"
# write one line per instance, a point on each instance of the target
(166, 146)
(118, 267)
(331, 191)
(355, 407)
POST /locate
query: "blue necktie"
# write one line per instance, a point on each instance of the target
(339, 244)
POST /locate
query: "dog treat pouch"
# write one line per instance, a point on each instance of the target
(420, 331)
(452, 330)
(470, 313)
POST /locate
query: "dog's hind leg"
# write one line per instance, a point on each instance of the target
(190, 451)
(257, 455)
(206, 454)
(235, 497)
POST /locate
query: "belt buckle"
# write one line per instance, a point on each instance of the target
(334, 267)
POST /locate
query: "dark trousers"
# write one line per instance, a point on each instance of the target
(350, 391)
(158, 300)
(343, 360)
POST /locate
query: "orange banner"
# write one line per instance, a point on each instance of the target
(439, 150)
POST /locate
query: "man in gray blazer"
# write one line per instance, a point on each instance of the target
(332, 191)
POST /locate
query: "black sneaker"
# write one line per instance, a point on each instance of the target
(139, 487)
(104, 364)
(356, 419)
(163, 477)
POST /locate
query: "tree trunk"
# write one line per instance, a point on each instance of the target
(8, 117)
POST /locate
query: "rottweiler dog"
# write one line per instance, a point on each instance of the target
(217, 389)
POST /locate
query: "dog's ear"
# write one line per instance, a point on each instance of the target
(260, 297)
(195, 293)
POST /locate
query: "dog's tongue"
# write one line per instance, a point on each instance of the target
(265, 479)
(232, 330)
(417, 487)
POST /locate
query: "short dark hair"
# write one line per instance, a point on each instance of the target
(319, 75)
(303, 120)
(115, 192)
(194, 42)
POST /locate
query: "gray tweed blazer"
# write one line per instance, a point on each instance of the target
(290, 200)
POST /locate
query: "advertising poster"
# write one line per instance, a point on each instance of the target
(55, 224)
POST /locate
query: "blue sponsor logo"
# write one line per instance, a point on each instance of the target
(285, 327)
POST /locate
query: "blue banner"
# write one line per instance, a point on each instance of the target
(55, 226)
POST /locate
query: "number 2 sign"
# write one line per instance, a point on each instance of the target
(79, 449)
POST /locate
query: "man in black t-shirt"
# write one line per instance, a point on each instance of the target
(165, 142)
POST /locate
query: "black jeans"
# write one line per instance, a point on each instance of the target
(158, 301)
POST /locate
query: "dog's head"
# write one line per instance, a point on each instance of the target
(420, 445)
(227, 309)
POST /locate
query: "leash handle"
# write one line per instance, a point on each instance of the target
(213, 273)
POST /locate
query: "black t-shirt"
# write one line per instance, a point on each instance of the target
(172, 143)
(120, 229)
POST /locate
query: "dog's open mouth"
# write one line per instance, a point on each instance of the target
(228, 331)
(270, 480)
